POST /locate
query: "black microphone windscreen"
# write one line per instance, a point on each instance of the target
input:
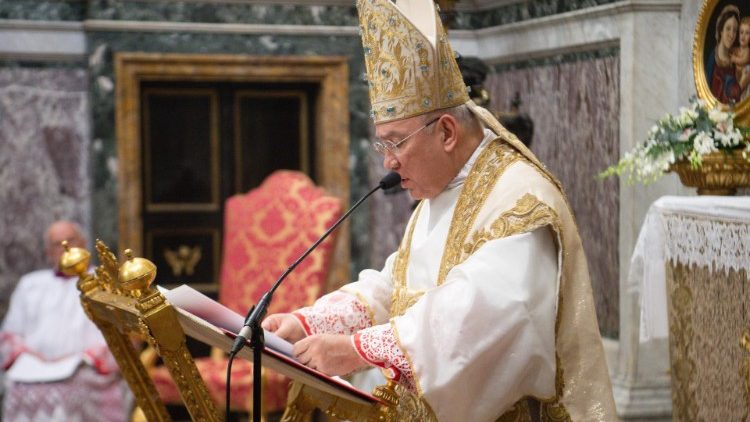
(390, 180)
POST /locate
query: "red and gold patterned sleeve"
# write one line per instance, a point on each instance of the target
(379, 347)
(335, 313)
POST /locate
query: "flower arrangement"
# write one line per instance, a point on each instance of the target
(694, 133)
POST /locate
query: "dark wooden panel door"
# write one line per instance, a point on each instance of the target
(201, 143)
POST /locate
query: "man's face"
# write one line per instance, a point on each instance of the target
(421, 160)
(55, 235)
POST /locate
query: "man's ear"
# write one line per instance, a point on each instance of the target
(449, 126)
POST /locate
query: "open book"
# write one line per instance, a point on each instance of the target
(213, 323)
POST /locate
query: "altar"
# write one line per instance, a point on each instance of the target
(691, 264)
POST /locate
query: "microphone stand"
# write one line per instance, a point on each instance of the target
(258, 312)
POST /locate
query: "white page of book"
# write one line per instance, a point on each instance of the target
(202, 306)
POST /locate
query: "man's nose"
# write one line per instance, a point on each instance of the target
(390, 162)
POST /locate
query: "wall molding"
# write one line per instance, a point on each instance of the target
(581, 30)
(42, 40)
(218, 28)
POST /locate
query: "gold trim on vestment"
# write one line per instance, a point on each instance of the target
(403, 298)
(490, 165)
(519, 412)
(417, 384)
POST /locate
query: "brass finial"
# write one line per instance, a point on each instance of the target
(74, 261)
(136, 274)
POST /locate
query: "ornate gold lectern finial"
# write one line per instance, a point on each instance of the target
(74, 261)
(136, 274)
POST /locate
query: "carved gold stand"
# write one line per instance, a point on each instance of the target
(397, 405)
(120, 301)
(721, 173)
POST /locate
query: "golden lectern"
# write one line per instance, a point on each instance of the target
(119, 299)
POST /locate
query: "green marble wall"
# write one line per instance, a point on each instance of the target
(57, 10)
(104, 44)
(210, 12)
(520, 11)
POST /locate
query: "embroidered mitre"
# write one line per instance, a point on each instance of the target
(411, 68)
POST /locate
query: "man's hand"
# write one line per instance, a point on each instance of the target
(332, 354)
(285, 326)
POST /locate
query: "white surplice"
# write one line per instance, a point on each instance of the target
(66, 371)
(486, 310)
(485, 338)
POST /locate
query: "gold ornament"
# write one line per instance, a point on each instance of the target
(720, 174)
(410, 70)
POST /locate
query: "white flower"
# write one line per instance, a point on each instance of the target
(653, 131)
(735, 137)
(687, 116)
(717, 116)
(723, 138)
(704, 143)
(686, 134)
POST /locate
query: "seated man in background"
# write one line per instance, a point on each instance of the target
(58, 365)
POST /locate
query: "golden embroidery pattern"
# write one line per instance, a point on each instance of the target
(527, 215)
(402, 297)
(520, 412)
(490, 165)
(407, 75)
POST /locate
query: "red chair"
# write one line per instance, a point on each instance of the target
(265, 231)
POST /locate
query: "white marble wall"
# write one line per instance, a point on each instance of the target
(44, 150)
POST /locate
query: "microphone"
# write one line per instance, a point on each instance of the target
(258, 311)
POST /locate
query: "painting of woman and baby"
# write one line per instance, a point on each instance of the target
(727, 62)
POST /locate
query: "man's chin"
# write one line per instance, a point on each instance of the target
(417, 196)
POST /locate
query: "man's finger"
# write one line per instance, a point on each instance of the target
(301, 346)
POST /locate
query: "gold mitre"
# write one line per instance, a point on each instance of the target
(411, 68)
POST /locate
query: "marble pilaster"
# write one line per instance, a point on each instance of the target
(44, 142)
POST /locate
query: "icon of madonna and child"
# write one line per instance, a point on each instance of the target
(727, 65)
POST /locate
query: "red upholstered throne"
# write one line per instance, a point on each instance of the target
(265, 231)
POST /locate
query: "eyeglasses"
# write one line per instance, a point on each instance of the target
(383, 146)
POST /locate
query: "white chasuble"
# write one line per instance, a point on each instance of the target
(486, 312)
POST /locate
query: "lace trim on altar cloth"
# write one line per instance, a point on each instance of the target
(334, 313)
(378, 346)
(719, 245)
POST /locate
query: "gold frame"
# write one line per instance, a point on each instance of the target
(215, 236)
(303, 124)
(213, 97)
(331, 73)
(741, 109)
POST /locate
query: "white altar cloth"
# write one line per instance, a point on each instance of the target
(712, 231)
